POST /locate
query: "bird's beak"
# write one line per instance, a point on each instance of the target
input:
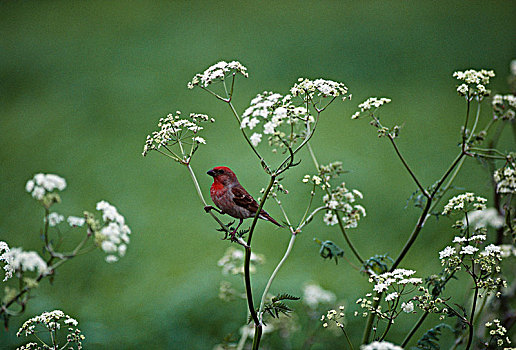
(210, 172)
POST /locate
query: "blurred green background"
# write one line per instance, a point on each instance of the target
(83, 82)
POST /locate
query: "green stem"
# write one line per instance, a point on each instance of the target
(262, 161)
(472, 317)
(274, 273)
(247, 274)
(348, 241)
(370, 319)
(347, 339)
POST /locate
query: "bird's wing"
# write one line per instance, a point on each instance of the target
(244, 199)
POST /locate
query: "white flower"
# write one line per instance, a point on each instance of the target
(458, 239)
(474, 81)
(383, 345)
(506, 179)
(319, 87)
(233, 261)
(175, 129)
(391, 296)
(484, 218)
(52, 321)
(407, 307)
(468, 250)
(380, 287)
(40, 184)
(506, 250)
(255, 139)
(464, 202)
(75, 221)
(314, 294)
(199, 139)
(7, 259)
(492, 250)
(330, 219)
(446, 252)
(114, 234)
(111, 259)
(25, 261)
(217, 72)
(54, 219)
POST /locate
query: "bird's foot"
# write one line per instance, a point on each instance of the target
(209, 208)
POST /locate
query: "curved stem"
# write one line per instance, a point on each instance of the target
(274, 273)
(348, 241)
(405, 164)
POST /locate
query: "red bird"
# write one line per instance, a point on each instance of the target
(232, 199)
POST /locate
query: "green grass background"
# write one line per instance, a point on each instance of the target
(83, 82)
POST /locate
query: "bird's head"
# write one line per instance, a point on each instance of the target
(223, 175)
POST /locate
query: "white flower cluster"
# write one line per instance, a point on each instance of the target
(465, 202)
(320, 88)
(487, 259)
(44, 183)
(506, 178)
(314, 294)
(274, 111)
(497, 331)
(54, 219)
(52, 322)
(398, 277)
(396, 283)
(507, 250)
(484, 218)
(335, 316)
(7, 259)
(341, 199)
(114, 236)
(217, 72)
(465, 247)
(233, 261)
(175, 129)
(372, 103)
(75, 221)
(20, 260)
(380, 345)
(474, 82)
(504, 106)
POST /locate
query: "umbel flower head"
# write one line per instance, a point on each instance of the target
(506, 178)
(216, 73)
(504, 106)
(6, 258)
(52, 321)
(319, 88)
(464, 203)
(275, 116)
(41, 184)
(177, 137)
(474, 82)
(370, 106)
(114, 236)
(18, 260)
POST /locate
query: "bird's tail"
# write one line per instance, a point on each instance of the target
(265, 216)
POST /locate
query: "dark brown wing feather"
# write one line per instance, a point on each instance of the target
(243, 199)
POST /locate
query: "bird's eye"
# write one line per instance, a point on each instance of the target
(220, 171)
